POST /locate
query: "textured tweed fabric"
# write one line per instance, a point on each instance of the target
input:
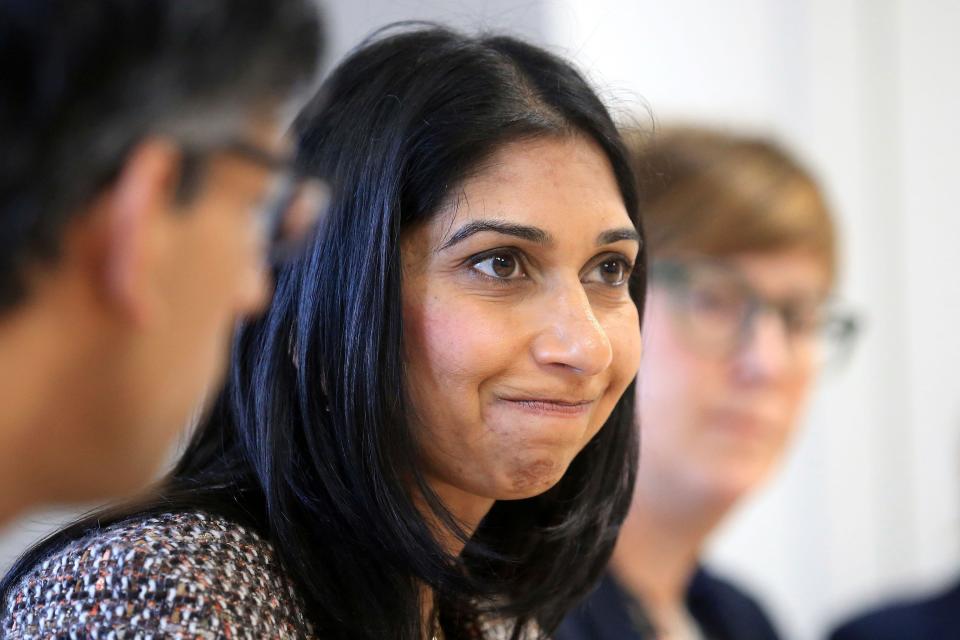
(170, 576)
(182, 575)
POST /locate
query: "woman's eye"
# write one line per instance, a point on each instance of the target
(611, 271)
(503, 266)
(803, 319)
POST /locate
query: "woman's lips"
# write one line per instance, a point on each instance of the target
(550, 407)
(744, 423)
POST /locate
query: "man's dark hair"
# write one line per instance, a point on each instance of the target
(311, 443)
(82, 81)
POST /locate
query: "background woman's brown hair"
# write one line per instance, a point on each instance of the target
(712, 193)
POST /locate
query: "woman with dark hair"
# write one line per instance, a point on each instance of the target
(743, 260)
(430, 431)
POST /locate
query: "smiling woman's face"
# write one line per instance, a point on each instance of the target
(520, 334)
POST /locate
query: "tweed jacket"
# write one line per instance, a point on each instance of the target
(175, 575)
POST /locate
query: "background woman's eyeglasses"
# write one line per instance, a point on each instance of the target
(717, 309)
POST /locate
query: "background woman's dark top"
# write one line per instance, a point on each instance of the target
(933, 618)
(721, 610)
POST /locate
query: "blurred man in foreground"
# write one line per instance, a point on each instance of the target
(143, 180)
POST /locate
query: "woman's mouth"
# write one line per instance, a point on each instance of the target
(550, 406)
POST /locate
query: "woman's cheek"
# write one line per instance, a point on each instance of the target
(462, 342)
(623, 332)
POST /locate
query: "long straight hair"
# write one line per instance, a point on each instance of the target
(310, 442)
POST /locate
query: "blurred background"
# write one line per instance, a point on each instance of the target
(866, 92)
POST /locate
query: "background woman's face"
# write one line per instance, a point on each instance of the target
(519, 330)
(713, 425)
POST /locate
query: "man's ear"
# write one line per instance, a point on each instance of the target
(136, 206)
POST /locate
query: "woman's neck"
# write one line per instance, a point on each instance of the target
(429, 621)
(657, 553)
(467, 511)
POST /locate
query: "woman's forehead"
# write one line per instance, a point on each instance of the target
(561, 186)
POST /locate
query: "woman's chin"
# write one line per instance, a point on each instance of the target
(529, 478)
(732, 486)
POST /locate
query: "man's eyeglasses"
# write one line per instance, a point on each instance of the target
(717, 309)
(294, 205)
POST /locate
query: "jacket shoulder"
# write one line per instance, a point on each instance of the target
(932, 618)
(180, 573)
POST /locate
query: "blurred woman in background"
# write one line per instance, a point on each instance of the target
(430, 433)
(739, 320)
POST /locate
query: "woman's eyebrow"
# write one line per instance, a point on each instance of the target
(616, 235)
(524, 232)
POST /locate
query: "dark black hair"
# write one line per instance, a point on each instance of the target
(310, 442)
(83, 82)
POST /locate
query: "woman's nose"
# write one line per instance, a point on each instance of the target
(571, 336)
(766, 352)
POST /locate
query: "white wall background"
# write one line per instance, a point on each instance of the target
(868, 503)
